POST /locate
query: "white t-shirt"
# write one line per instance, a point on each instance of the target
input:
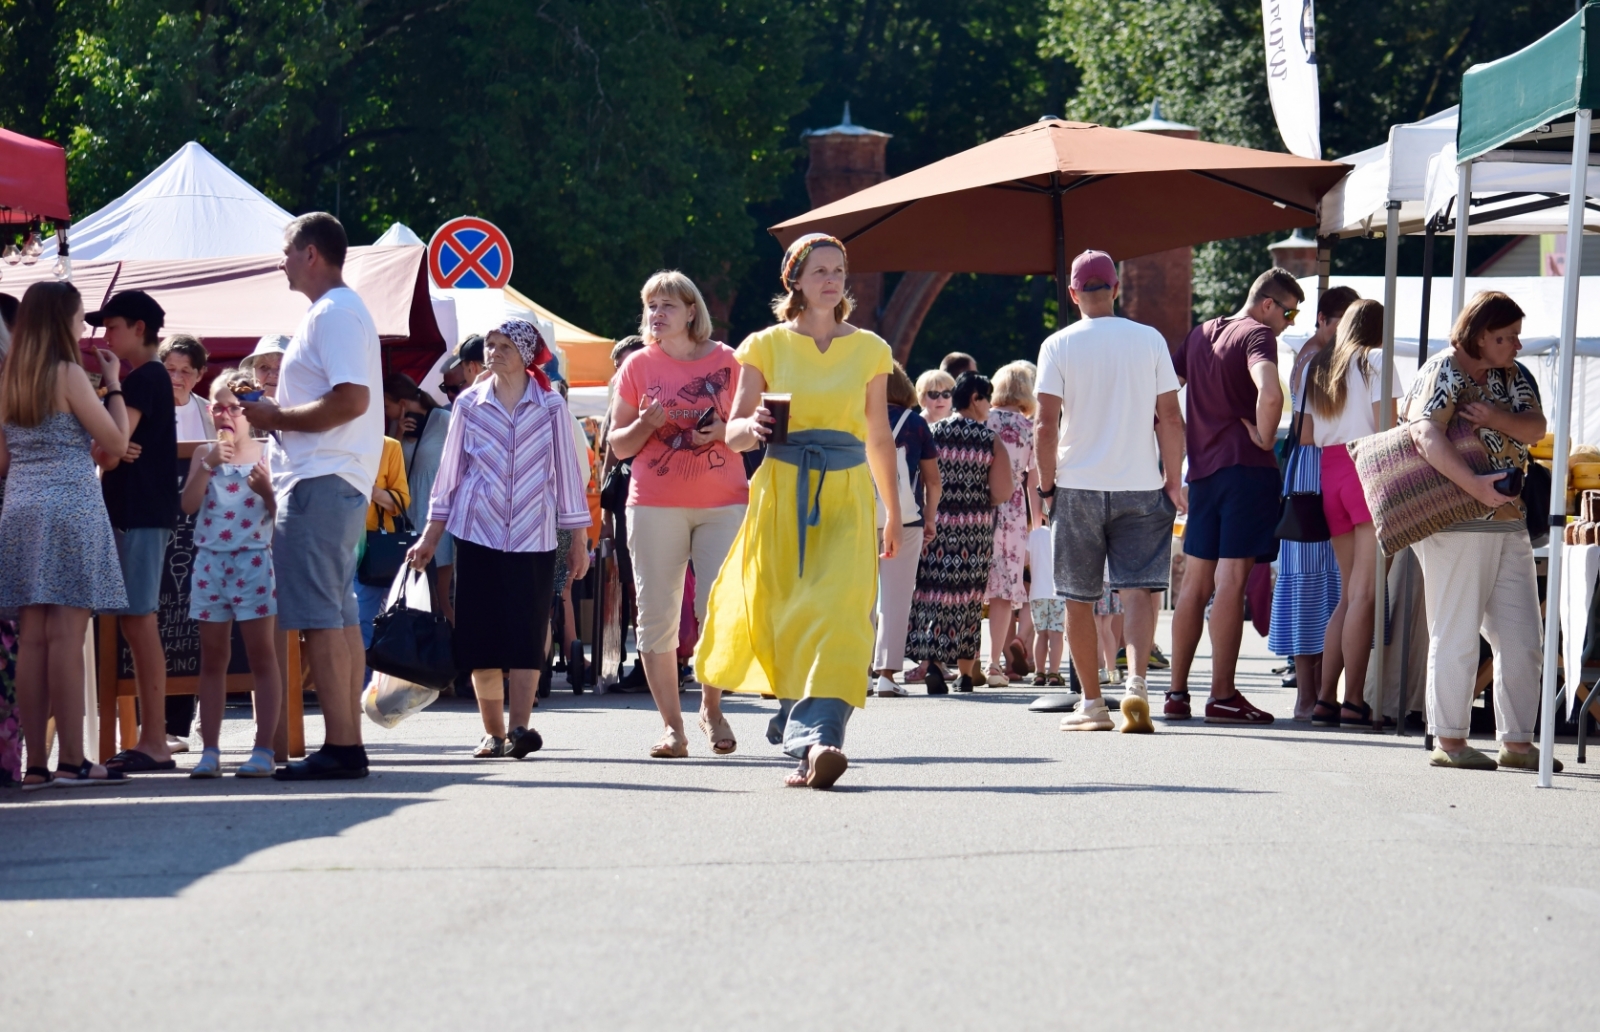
(191, 423)
(1041, 563)
(1107, 373)
(337, 342)
(1356, 421)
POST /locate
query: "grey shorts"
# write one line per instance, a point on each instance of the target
(1127, 534)
(143, 552)
(314, 544)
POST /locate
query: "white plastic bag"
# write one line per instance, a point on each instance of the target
(389, 700)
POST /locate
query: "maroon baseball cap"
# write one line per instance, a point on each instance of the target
(1093, 265)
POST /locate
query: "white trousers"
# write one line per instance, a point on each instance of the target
(897, 582)
(1481, 582)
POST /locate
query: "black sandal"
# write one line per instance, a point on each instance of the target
(82, 776)
(1361, 717)
(43, 772)
(1325, 714)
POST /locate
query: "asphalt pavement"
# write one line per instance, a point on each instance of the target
(975, 868)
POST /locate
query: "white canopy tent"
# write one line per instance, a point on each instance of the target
(191, 206)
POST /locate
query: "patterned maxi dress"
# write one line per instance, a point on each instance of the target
(947, 609)
(1015, 431)
(1307, 590)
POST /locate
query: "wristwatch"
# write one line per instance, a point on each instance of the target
(1045, 494)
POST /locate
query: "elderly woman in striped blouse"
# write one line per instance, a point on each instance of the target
(508, 480)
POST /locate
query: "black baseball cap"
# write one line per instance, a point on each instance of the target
(471, 350)
(132, 306)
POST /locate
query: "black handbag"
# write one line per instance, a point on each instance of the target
(384, 552)
(614, 491)
(1300, 514)
(416, 645)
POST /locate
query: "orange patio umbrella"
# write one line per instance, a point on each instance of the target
(1023, 203)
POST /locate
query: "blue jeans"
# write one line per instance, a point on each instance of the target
(369, 603)
(802, 723)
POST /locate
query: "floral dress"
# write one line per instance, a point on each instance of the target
(947, 609)
(1015, 431)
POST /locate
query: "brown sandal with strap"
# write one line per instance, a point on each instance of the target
(672, 746)
(719, 733)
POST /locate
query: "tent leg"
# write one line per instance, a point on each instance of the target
(1458, 260)
(1427, 293)
(1391, 263)
(1324, 262)
(1576, 195)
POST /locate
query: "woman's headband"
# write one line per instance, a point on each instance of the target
(794, 259)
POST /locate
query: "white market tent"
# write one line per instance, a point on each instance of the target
(191, 206)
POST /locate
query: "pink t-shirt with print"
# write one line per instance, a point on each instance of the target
(670, 471)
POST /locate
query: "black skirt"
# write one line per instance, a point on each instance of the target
(502, 607)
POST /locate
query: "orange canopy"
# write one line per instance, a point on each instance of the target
(1023, 203)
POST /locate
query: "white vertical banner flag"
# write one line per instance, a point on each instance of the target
(1291, 37)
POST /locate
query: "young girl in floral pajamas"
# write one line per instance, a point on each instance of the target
(230, 495)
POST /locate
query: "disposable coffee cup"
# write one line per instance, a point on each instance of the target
(778, 405)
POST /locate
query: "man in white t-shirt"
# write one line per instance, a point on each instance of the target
(1110, 445)
(328, 438)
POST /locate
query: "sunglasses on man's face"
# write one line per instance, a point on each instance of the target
(1288, 313)
(452, 389)
(938, 395)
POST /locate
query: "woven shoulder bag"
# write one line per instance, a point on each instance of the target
(1409, 499)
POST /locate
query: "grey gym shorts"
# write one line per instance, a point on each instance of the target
(314, 542)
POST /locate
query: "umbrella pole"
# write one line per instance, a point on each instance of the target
(1063, 299)
(1427, 293)
(1458, 260)
(1576, 196)
(1391, 268)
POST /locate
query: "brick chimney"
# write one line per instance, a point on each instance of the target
(847, 158)
(1158, 289)
(1297, 253)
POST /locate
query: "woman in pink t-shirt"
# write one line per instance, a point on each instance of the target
(688, 490)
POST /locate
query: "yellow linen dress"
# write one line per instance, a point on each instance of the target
(767, 629)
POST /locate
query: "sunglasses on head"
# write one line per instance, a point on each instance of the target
(938, 395)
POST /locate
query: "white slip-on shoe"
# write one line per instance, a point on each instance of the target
(886, 687)
(1093, 716)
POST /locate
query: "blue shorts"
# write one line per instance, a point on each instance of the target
(143, 551)
(314, 542)
(1233, 514)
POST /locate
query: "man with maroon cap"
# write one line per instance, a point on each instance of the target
(1110, 445)
(1230, 365)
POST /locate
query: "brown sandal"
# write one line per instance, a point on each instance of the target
(672, 746)
(825, 766)
(719, 733)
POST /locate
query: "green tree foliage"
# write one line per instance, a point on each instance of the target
(142, 77)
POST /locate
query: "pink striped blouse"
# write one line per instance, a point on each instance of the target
(508, 480)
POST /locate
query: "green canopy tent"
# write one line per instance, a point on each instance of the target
(1540, 100)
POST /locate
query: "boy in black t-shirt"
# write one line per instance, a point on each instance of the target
(141, 493)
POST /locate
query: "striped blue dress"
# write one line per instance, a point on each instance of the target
(1308, 575)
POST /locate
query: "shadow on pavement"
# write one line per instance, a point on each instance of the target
(1054, 790)
(159, 835)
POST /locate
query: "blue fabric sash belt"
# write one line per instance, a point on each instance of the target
(820, 450)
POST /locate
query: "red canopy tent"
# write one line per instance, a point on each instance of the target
(33, 180)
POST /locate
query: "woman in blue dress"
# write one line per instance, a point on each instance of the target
(1307, 591)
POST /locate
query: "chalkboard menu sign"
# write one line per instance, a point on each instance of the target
(180, 635)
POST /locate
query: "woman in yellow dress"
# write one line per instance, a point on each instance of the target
(791, 612)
